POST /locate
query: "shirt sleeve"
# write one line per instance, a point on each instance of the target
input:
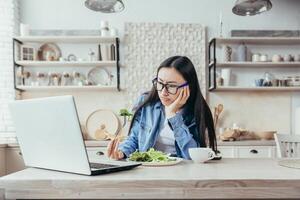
(182, 135)
(131, 143)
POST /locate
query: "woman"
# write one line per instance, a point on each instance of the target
(172, 117)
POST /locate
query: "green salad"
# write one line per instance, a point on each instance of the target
(150, 156)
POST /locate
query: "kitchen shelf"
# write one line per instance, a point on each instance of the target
(260, 40)
(214, 64)
(236, 88)
(66, 88)
(17, 41)
(68, 63)
(257, 64)
(66, 39)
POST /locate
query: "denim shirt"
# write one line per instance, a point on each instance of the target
(147, 125)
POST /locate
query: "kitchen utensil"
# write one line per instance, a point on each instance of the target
(54, 79)
(101, 122)
(27, 78)
(265, 135)
(218, 111)
(42, 79)
(268, 77)
(99, 76)
(275, 82)
(49, 52)
(283, 82)
(259, 82)
(65, 79)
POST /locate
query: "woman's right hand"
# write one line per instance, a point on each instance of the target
(112, 150)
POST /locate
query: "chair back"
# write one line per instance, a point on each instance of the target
(288, 146)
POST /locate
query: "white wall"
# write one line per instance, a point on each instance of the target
(9, 17)
(285, 14)
(72, 14)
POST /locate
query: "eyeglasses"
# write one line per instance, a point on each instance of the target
(171, 89)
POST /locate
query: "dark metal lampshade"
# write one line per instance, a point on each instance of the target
(105, 6)
(251, 7)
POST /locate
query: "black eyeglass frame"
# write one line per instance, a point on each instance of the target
(154, 82)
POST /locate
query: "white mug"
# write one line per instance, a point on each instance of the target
(201, 155)
(256, 57)
(264, 58)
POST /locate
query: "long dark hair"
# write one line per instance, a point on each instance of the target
(195, 105)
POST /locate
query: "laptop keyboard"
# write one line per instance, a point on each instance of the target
(102, 165)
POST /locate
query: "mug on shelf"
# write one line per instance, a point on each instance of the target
(277, 58)
(255, 57)
(264, 58)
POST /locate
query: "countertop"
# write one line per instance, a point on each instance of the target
(227, 178)
(94, 143)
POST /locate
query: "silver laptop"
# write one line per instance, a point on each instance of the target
(50, 137)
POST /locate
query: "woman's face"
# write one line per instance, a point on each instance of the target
(173, 79)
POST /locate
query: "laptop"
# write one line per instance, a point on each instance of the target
(50, 137)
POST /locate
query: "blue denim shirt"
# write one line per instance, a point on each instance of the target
(147, 125)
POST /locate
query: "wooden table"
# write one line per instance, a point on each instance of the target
(225, 179)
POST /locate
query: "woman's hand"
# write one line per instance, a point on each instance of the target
(178, 103)
(112, 150)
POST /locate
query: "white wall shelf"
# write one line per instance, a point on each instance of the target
(240, 89)
(258, 64)
(66, 88)
(17, 41)
(67, 39)
(68, 63)
(260, 40)
(271, 41)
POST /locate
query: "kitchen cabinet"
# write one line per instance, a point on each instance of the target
(248, 72)
(37, 70)
(2, 161)
(247, 151)
(96, 151)
(14, 160)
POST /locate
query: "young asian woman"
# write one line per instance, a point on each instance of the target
(172, 117)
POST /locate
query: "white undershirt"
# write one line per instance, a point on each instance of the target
(166, 141)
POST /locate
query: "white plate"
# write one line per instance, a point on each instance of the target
(158, 164)
(290, 162)
(99, 76)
